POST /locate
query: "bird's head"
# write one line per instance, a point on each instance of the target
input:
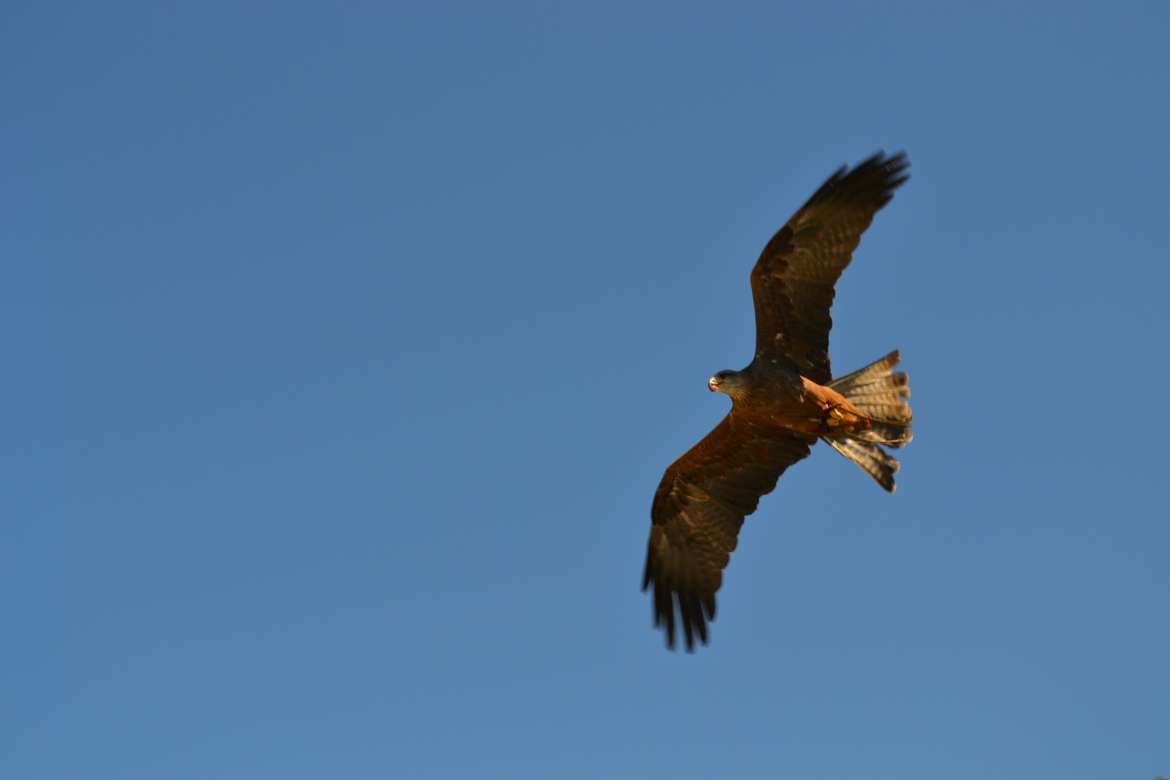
(724, 382)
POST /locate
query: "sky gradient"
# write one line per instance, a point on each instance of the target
(346, 345)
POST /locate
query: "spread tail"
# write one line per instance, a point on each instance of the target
(880, 393)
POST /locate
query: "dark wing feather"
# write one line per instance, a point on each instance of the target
(793, 281)
(697, 513)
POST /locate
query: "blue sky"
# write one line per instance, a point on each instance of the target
(346, 344)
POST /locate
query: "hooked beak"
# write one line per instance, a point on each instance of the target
(712, 384)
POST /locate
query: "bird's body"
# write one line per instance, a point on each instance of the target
(774, 396)
(783, 402)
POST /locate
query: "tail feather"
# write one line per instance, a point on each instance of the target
(887, 434)
(878, 391)
(873, 459)
(881, 394)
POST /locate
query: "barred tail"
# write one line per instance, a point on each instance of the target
(880, 393)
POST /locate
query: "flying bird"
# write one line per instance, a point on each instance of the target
(782, 403)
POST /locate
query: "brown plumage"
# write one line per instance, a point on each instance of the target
(782, 402)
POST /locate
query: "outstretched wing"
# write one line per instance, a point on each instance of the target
(698, 510)
(793, 281)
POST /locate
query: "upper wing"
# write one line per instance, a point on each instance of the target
(698, 510)
(793, 281)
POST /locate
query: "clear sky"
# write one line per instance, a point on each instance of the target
(345, 345)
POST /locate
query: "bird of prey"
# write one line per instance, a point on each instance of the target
(782, 403)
